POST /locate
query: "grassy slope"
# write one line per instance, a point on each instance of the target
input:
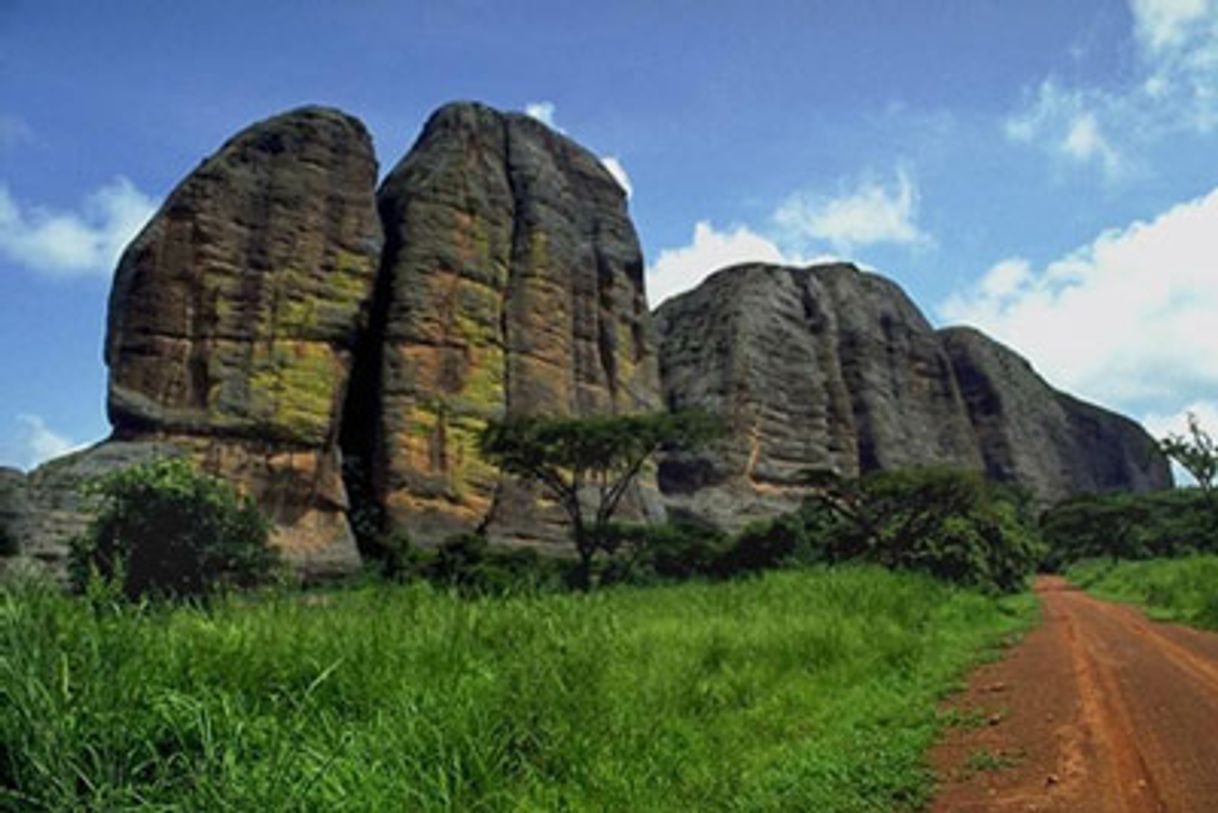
(1183, 590)
(810, 690)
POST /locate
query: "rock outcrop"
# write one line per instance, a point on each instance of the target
(235, 313)
(512, 283)
(299, 333)
(825, 367)
(829, 367)
(1045, 440)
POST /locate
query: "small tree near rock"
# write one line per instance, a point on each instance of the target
(588, 464)
(1197, 453)
(164, 528)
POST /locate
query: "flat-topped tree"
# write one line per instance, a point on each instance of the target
(588, 464)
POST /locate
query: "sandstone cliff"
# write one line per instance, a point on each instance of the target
(829, 367)
(512, 283)
(234, 316)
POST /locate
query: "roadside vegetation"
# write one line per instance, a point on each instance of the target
(804, 690)
(1183, 590)
(795, 666)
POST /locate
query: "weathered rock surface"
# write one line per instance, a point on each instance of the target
(1051, 443)
(235, 313)
(512, 283)
(829, 367)
(825, 367)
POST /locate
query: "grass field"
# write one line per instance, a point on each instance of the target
(803, 690)
(1183, 590)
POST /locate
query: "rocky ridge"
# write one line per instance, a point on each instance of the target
(830, 367)
(307, 336)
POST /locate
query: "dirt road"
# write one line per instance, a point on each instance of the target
(1097, 711)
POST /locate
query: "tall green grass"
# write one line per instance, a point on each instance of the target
(808, 690)
(1183, 590)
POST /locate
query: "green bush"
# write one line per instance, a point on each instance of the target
(1129, 526)
(948, 523)
(164, 528)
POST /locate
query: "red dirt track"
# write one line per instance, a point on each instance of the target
(1097, 711)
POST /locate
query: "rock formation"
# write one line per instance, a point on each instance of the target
(257, 325)
(235, 313)
(512, 283)
(829, 367)
(1031, 434)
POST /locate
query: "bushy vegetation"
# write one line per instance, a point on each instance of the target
(950, 524)
(1183, 590)
(1130, 526)
(947, 523)
(805, 690)
(164, 528)
(587, 465)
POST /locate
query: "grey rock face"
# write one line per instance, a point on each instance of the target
(1047, 441)
(511, 284)
(825, 367)
(829, 367)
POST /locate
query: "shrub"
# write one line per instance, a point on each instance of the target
(1129, 526)
(164, 528)
(948, 523)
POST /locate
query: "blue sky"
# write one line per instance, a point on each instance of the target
(1043, 170)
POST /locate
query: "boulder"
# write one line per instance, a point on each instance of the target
(825, 367)
(512, 284)
(235, 314)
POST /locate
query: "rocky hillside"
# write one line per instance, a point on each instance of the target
(830, 367)
(313, 339)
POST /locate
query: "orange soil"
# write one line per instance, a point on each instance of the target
(1096, 711)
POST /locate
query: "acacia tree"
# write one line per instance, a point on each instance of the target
(1197, 453)
(588, 464)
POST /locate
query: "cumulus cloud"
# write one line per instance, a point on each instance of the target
(1126, 320)
(680, 269)
(74, 243)
(618, 172)
(39, 442)
(543, 112)
(868, 214)
(1174, 88)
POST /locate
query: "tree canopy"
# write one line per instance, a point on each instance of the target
(588, 464)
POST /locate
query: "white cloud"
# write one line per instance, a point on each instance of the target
(1162, 24)
(1162, 425)
(1174, 87)
(72, 243)
(1064, 121)
(543, 112)
(39, 442)
(680, 269)
(870, 213)
(618, 172)
(1126, 320)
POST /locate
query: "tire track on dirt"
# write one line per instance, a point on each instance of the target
(1099, 710)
